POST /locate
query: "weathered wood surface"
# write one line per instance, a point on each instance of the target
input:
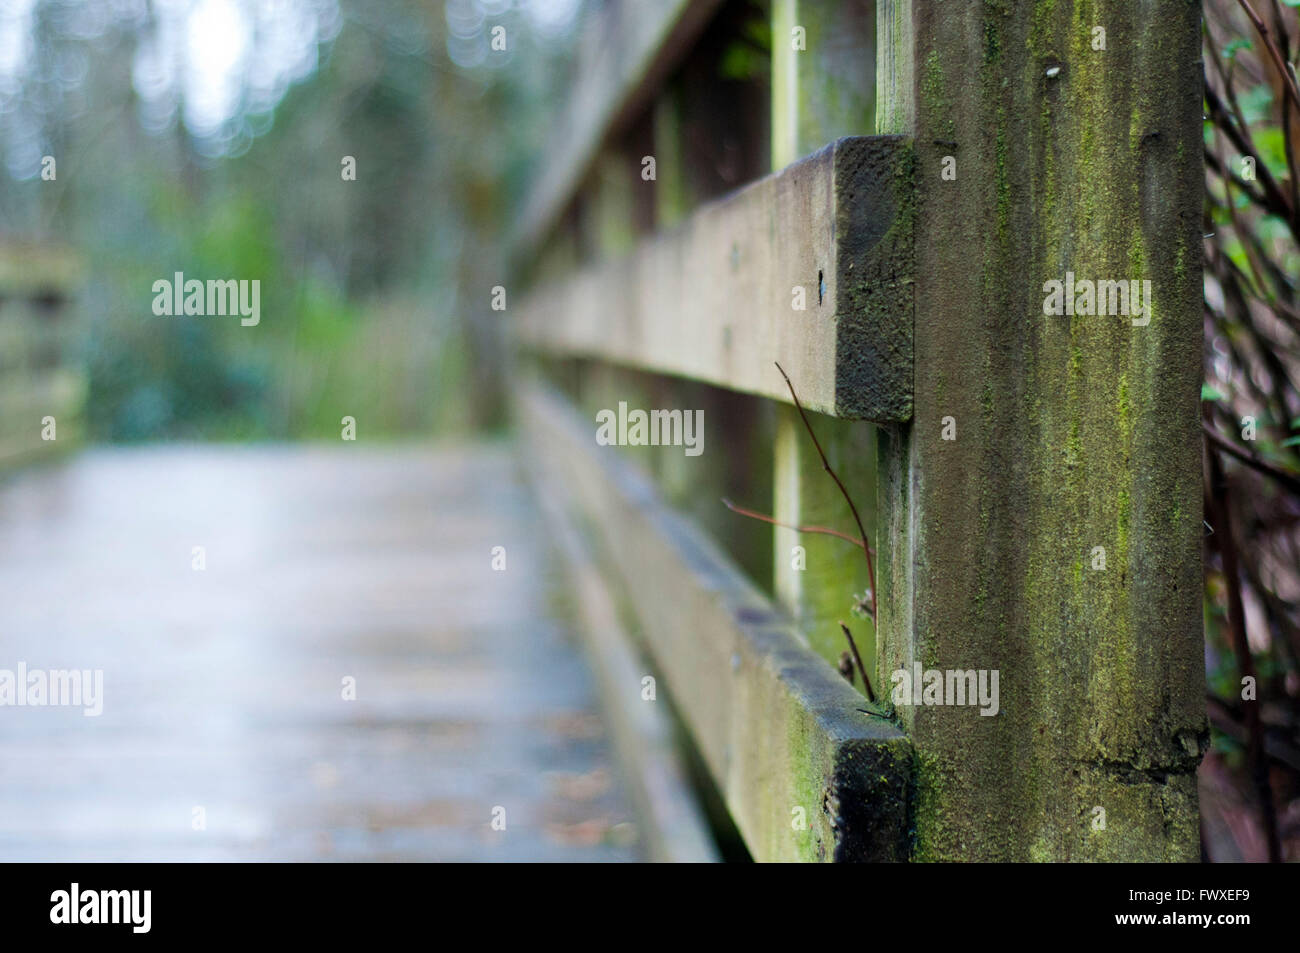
(629, 49)
(222, 687)
(714, 300)
(1069, 434)
(827, 89)
(895, 99)
(781, 733)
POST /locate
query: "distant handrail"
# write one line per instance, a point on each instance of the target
(633, 46)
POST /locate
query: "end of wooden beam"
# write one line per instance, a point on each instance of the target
(870, 800)
(875, 211)
(861, 774)
(810, 266)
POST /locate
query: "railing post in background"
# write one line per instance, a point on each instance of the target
(1041, 515)
(42, 385)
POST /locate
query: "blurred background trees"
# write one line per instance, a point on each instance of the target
(207, 136)
(1250, 781)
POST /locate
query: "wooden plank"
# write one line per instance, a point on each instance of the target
(785, 738)
(825, 89)
(714, 300)
(628, 51)
(895, 104)
(672, 826)
(818, 583)
(468, 697)
(701, 139)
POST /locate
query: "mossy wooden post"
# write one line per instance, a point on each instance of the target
(820, 93)
(1074, 151)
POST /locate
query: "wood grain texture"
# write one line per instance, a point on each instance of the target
(1071, 434)
(714, 300)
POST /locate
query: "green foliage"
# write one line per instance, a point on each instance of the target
(1252, 362)
(366, 284)
(749, 56)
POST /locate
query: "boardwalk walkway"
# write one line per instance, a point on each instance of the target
(222, 691)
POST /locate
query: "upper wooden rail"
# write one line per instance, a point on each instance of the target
(631, 48)
(810, 266)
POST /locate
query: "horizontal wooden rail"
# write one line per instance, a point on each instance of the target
(632, 47)
(672, 824)
(806, 773)
(811, 267)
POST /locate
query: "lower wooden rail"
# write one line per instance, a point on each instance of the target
(673, 827)
(806, 773)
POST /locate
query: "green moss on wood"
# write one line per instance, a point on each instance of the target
(1089, 440)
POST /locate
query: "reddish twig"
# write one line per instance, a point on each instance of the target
(1218, 502)
(866, 549)
(824, 530)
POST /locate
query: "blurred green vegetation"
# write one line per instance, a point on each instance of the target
(1250, 780)
(373, 291)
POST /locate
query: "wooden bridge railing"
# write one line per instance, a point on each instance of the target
(41, 391)
(1030, 480)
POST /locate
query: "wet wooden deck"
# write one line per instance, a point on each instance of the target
(223, 687)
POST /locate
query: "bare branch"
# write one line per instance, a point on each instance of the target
(866, 681)
(1288, 80)
(1290, 480)
(824, 530)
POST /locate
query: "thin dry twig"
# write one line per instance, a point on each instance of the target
(1288, 80)
(1290, 480)
(824, 530)
(866, 549)
(860, 542)
(866, 681)
(1258, 302)
(1218, 500)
